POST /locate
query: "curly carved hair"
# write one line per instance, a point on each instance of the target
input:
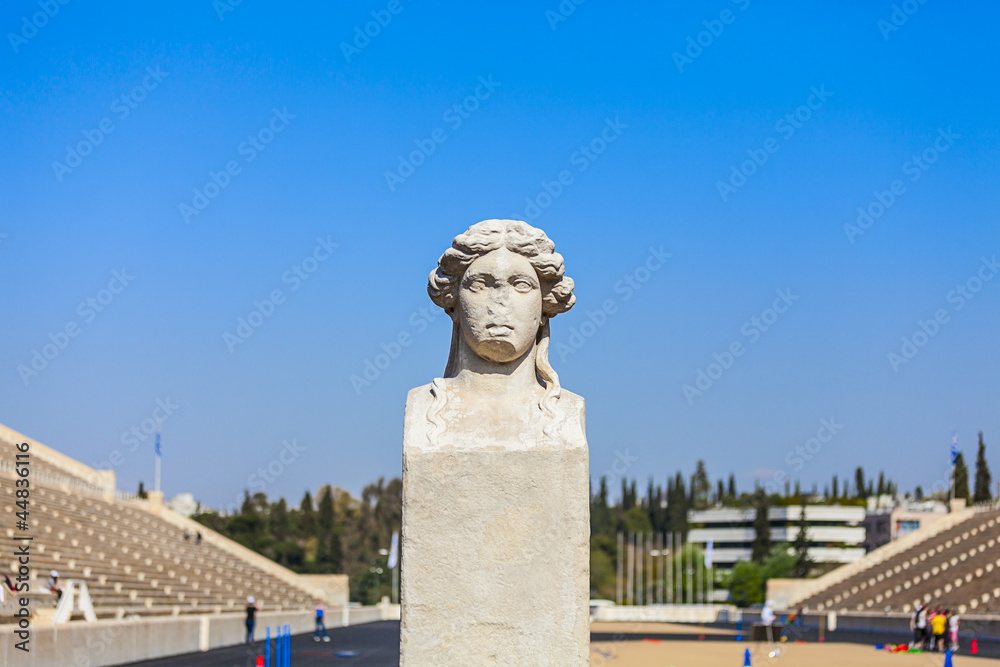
(516, 236)
(557, 297)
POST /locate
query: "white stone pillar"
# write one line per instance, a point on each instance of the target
(495, 567)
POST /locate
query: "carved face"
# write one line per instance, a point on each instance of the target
(500, 306)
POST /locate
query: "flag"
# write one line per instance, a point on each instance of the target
(394, 550)
(157, 445)
(954, 447)
(709, 548)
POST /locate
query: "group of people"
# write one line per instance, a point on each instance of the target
(187, 536)
(934, 629)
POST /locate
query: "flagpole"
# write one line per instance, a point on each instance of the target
(954, 457)
(621, 564)
(157, 453)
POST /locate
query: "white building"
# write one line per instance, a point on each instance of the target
(836, 533)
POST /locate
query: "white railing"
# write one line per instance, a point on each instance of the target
(54, 479)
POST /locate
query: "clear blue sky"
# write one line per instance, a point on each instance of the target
(677, 128)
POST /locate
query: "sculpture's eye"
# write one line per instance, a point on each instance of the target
(476, 284)
(523, 285)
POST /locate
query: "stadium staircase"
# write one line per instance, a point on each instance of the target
(954, 565)
(131, 554)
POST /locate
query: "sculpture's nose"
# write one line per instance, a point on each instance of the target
(500, 300)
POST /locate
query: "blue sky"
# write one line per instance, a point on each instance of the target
(281, 138)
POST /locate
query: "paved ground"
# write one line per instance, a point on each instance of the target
(376, 645)
(614, 644)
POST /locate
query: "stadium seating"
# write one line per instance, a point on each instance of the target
(134, 562)
(958, 568)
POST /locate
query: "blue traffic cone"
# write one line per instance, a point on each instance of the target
(947, 659)
(746, 658)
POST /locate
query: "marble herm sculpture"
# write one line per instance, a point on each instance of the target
(496, 516)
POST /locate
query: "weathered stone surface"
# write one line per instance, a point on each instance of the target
(496, 525)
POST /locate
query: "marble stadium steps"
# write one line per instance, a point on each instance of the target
(132, 561)
(957, 569)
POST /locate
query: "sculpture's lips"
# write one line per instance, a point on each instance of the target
(499, 328)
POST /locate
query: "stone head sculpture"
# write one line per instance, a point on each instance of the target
(495, 469)
(501, 282)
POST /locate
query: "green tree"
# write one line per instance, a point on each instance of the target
(307, 516)
(761, 547)
(628, 495)
(677, 506)
(746, 584)
(780, 563)
(984, 480)
(700, 486)
(142, 491)
(280, 527)
(836, 488)
(600, 515)
(961, 478)
(803, 564)
(731, 490)
(859, 482)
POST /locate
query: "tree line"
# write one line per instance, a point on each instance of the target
(333, 533)
(337, 533)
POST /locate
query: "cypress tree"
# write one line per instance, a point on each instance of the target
(802, 562)
(761, 548)
(859, 482)
(307, 516)
(983, 492)
(961, 478)
(600, 515)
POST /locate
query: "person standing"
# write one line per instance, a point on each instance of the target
(252, 609)
(953, 622)
(914, 629)
(320, 623)
(938, 625)
(920, 634)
